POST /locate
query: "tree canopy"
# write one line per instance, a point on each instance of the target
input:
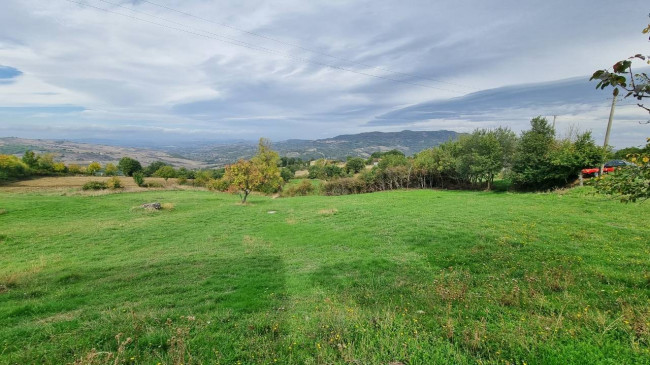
(129, 166)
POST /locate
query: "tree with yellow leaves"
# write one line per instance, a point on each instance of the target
(267, 162)
(244, 177)
(261, 173)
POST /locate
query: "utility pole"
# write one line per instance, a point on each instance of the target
(609, 129)
(555, 116)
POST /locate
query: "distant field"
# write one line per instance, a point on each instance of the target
(402, 277)
(43, 184)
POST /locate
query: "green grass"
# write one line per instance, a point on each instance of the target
(412, 277)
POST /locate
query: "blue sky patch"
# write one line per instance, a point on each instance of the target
(8, 73)
(42, 109)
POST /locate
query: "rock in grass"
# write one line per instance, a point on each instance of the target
(156, 206)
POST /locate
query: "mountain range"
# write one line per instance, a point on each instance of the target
(202, 155)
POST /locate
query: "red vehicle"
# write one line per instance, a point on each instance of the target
(610, 166)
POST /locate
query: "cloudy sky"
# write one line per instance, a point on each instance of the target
(189, 70)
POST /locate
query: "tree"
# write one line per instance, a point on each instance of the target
(93, 167)
(244, 176)
(392, 158)
(73, 168)
(110, 169)
(542, 162)
(355, 165)
(332, 171)
(30, 159)
(166, 172)
(45, 162)
(188, 174)
(530, 169)
(508, 142)
(287, 174)
(266, 160)
(481, 157)
(316, 171)
(129, 166)
(152, 168)
(261, 173)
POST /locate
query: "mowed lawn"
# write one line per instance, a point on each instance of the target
(402, 277)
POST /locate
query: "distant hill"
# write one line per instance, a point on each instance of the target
(201, 155)
(339, 147)
(85, 153)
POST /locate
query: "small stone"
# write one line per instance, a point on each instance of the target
(155, 206)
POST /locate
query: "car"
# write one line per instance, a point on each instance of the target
(610, 166)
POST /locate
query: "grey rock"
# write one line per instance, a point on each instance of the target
(155, 206)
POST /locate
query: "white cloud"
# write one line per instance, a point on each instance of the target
(126, 72)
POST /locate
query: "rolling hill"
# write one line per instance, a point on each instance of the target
(200, 155)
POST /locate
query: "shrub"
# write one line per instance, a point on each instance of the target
(12, 167)
(152, 168)
(218, 184)
(114, 183)
(152, 184)
(316, 172)
(95, 185)
(345, 186)
(631, 183)
(138, 177)
(93, 167)
(59, 167)
(287, 174)
(502, 185)
(333, 171)
(165, 172)
(182, 180)
(187, 174)
(355, 165)
(110, 169)
(202, 177)
(304, 188)
(74, 169)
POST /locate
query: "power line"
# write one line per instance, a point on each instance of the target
(239, 43)
(305, 48)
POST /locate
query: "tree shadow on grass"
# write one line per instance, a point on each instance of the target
(208, 305)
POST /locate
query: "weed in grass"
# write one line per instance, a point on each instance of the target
(330, 211)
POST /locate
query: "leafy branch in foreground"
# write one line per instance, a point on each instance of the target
(637, 85)
(631, 183)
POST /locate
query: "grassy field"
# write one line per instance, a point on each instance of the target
(402, 277)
